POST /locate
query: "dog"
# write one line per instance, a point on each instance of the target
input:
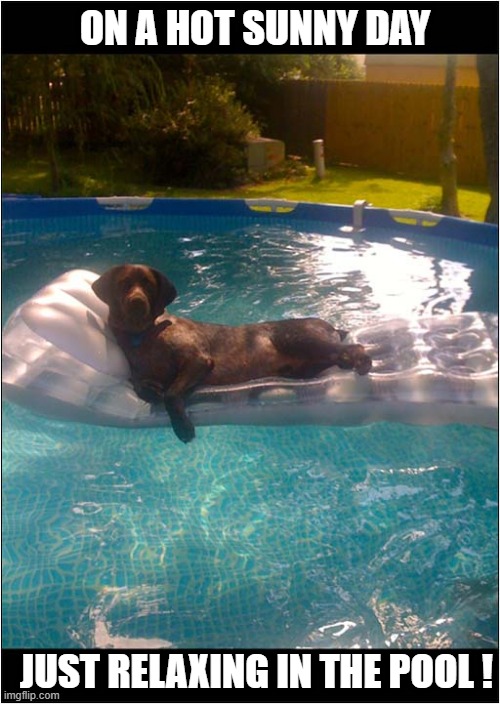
(170, 356)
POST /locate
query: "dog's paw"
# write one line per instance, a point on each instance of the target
(184, 430)
(354, 357)
(363, 364)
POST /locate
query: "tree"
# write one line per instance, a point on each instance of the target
(331, 67)
(49, 123)
(487, 66)
(75, 100)
(29, 83)
(449, 197)
(253, 76)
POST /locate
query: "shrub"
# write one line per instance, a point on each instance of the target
(198, 138)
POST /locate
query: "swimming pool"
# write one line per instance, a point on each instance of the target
(381, 535)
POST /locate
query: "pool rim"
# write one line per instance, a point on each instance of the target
(346, 219)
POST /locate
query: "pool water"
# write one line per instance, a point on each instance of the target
(373, 536)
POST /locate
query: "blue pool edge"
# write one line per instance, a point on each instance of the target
(350, 219)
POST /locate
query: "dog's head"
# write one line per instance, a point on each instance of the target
(136, 295)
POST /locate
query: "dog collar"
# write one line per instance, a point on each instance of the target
(137, 338)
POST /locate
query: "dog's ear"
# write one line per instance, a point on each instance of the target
(104, 286)
(166, 293)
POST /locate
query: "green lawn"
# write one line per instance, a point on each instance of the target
(97, 175)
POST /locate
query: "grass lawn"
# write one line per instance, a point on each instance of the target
(97, 175)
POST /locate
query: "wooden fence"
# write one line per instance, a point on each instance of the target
(384, 126)
(27, 116)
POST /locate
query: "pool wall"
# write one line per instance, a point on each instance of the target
(196, 212)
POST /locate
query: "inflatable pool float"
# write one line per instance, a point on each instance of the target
(60, 359)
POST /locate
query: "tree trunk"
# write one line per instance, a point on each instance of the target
(449, 198)
(50, 132)
(487, 67)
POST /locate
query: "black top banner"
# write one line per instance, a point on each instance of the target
(169, 27)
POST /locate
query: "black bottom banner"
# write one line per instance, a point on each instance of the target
(359, 676)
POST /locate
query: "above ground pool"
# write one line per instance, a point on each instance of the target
(276, 527)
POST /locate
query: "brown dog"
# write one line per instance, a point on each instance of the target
(169, 356)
